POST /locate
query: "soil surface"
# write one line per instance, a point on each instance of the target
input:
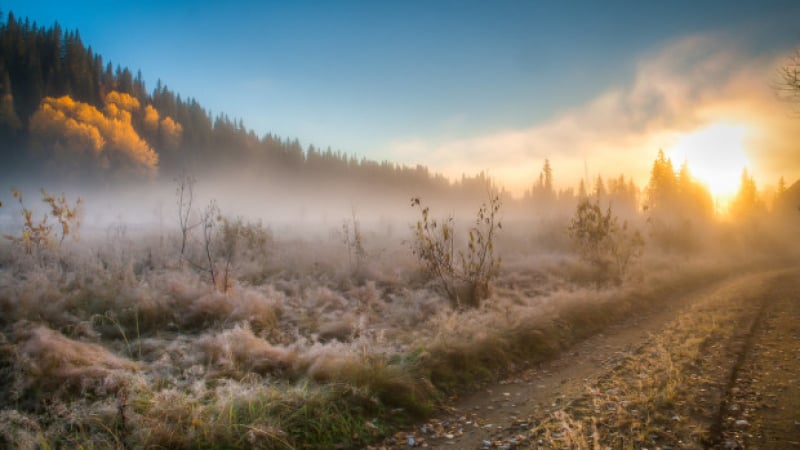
(762, 409)
(716, 368)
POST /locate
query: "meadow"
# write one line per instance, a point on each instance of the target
(254, 338)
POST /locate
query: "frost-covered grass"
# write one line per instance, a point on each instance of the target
(112, 342)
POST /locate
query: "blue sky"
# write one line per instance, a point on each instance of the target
(409, 80)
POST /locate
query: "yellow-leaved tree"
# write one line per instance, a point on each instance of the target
(76, 136)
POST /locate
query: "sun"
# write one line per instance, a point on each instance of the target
(716, 156)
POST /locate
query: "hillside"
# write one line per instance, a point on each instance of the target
(66, 112)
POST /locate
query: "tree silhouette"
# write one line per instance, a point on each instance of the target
(694, 198)
(747, 204)
(662, 188)
(789, 85)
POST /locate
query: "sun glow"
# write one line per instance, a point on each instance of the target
(716, 157)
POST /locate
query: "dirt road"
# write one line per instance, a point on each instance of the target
(718, 368)
(762, 405)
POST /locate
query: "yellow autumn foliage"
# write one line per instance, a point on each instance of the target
(70, 123)
(150, 120)
(171, 131)
(122, 101)
(74, 127)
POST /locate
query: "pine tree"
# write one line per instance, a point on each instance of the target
(582, 190)
(747, 203)
(547, 171)
(662, 188)
(599, 187)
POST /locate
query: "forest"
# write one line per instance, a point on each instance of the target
(59, 98)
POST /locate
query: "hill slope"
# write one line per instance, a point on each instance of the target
(66, 112)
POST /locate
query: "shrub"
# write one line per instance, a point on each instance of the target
(184, 193)
(464, 277)
(354, 242)
(239, 241)
(224, 240)
(210, 221)
(43, 234)
(602, 242)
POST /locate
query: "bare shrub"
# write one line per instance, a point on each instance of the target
(354, 243)
(465, 276)
(40, 235)
(240, 241)
(226, 242)
(208, 222)
(789, 85)
(184, 191)
(602, 242)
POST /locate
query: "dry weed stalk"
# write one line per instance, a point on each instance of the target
(40, 235)
(465, 276)
(602, 241)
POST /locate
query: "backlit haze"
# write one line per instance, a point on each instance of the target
(464, 87)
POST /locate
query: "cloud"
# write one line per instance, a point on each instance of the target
(687, 85)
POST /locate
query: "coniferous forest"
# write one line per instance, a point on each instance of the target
(59, 97)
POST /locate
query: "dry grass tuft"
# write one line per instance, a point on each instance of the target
(238, 350)
(47, 361)
(19, 431)
(343, 329)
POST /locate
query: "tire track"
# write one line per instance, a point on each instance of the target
(746, 343)
(677, 360)
(668, 393)
(762, 406)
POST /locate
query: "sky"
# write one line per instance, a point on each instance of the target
(464, 86)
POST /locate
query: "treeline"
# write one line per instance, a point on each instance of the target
(671, 196)
(66, 111)
(61, 102)
(620, 191)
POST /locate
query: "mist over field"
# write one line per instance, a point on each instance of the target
(611, 266)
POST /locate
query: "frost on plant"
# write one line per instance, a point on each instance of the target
(184, 193)
(353, 240)
(602, 242)
(62, 220)
(464, 276)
